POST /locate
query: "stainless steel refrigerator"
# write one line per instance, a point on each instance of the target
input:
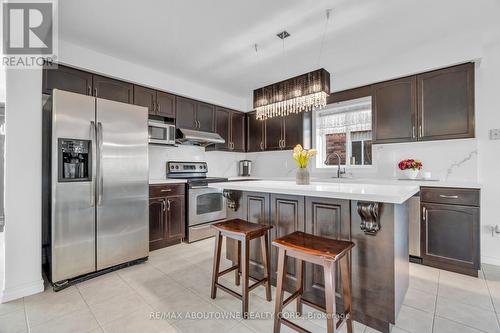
(95, 185)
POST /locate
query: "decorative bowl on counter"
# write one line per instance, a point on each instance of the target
(410, 168)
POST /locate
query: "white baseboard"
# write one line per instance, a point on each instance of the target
(490, 260)
(21, 291)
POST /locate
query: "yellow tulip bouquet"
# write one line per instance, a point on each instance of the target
(302, 156)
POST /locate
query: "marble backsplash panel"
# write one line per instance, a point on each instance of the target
(221, 164)
(452, 160)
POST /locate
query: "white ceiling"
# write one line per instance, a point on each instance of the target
(211, 41)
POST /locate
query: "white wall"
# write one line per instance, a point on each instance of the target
(23, 179)
(488, 117)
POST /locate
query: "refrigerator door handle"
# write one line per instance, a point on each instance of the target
(93, 139)
(100, 183)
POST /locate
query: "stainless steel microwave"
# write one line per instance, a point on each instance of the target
(161, 133)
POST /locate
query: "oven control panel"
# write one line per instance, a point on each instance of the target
(186, 168)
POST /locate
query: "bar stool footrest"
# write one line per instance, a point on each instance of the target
(291, 298)
(228, 270)
(229, 291)
(294, 326)
(256, 284)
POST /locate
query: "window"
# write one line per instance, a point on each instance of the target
(344, 128)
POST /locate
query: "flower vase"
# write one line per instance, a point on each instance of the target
(302, 176)
(410, 173)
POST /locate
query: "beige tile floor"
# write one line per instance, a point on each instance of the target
(177, 280)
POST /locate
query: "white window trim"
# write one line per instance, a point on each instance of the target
(318, 163)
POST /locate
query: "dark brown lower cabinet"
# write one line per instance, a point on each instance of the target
(256, 207)
(166, 215)
(450, 237)
(287, 216)
(325, 218)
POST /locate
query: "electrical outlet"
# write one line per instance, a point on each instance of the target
(495, 134)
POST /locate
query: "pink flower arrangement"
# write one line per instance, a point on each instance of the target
(410, 164)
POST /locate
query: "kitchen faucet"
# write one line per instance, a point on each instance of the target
(339, 172)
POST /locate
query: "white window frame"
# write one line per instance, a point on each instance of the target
(319, 144)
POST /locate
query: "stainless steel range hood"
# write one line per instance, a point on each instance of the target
(198, 138)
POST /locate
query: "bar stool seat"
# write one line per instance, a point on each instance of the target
(243, 232)
(321, 251)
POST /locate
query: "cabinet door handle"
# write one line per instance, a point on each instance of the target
(448, 196)
(158, 107)
(413, 131)
(89, 90)
(424, 213)
(166, 190)
(163, 205)
(95, 92)
(261, 145)
(168, 205)
(421, 131)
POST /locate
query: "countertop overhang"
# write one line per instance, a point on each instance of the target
(394, 194)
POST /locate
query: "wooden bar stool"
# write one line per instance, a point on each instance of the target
(321, 251)
(243, 232)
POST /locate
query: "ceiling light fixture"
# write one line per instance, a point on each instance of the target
(301, 93)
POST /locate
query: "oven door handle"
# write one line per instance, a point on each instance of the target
(198, 187)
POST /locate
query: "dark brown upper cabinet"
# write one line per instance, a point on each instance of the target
(273, 133)
(395, 110)
(255, 133)
(68, 79)
(446, 103)
(205, 114)
(165, 104)
(230, 125)
(112, 89)
(436, 105)
(223, 127)
(284, 132)
(186, 113)
(195, 115)
(145, 97)
(238, 131)
(293, 133)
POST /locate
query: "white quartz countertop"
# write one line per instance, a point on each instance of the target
(388, 193)
(166, 181)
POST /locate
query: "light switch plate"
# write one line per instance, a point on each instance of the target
(495, 134)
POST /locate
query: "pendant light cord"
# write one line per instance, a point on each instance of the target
(328, 12)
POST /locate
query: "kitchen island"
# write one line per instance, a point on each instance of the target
(373, 216)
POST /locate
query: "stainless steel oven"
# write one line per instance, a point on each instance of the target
(161, 133)
(205, 204)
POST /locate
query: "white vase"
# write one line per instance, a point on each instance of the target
(410, 173)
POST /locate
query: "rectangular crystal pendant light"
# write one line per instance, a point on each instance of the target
(302, 93)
